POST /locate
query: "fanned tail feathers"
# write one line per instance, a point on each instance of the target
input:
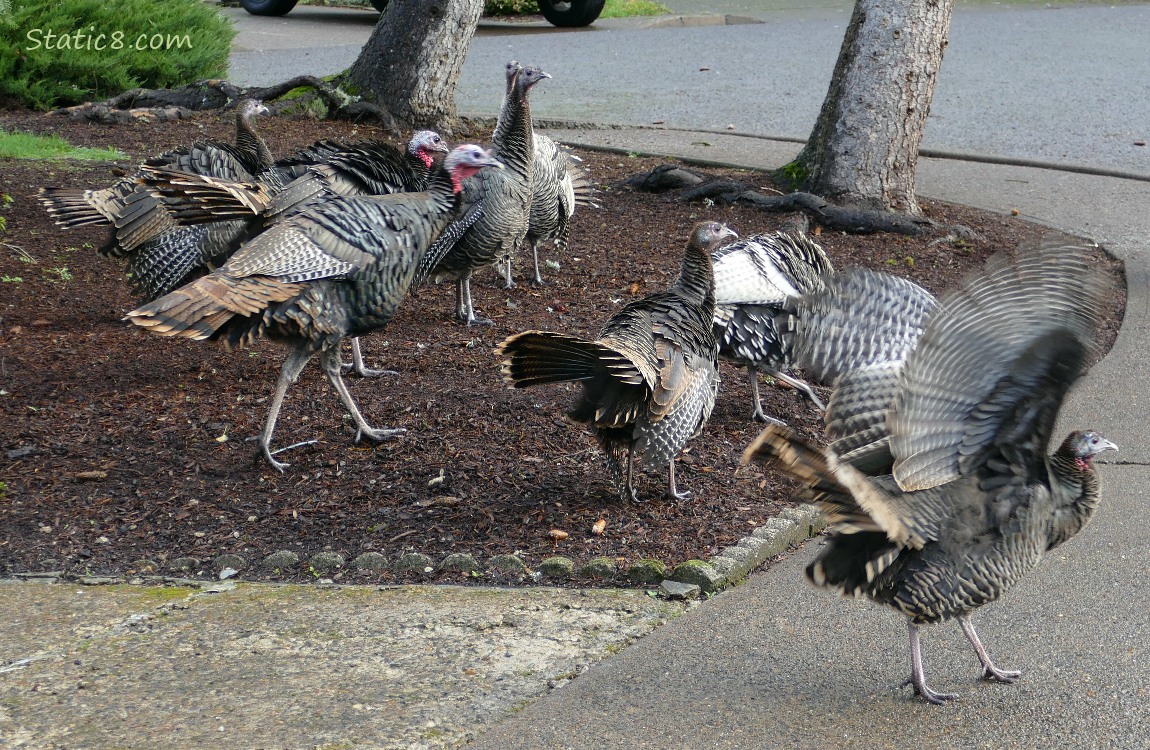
(195, 198)
(74, 207)
(202, 308)
(581, 184)
(141, 218)
(864, 541)
(538, 357)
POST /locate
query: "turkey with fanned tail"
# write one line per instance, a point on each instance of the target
(341, 268)
(650, 376)
(160, 253)
(756, 279)
(951, 497)
(230, 211)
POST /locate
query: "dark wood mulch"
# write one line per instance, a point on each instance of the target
(117, 446)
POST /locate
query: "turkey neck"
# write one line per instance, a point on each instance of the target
(1080, 490)
(513, 141)
(696, 280)
(250, 142)
(418, 167)
(446, 196)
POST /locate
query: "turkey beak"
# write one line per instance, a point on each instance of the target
(727, 232)
(442, 146)
(1106, 445)
(263, 110)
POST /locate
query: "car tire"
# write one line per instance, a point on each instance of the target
(268, 7)
(571, 14)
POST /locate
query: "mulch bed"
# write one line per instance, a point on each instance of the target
(118, 447)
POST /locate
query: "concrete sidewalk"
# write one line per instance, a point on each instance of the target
(772, 663)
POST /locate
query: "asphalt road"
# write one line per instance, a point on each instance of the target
(1063, 84)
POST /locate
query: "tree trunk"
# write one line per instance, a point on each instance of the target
(864, 147)
(411, 63)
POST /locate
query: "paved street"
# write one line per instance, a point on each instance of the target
(1065, 84)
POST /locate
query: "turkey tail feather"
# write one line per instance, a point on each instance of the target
(200, 309)
(537, 357)
(73, 207)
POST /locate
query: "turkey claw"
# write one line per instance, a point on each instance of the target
(761, 416)
(378, 434)
(924, 690)
(277, 465)
(1005, 676)
(364, 372)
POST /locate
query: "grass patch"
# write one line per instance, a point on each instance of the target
(27, 146)
(628, 8)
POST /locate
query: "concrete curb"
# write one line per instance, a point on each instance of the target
(728, 568)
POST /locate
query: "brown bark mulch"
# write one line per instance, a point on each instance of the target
(118, 447)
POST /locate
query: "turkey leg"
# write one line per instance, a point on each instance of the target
(917, 676)
(293, 365)
(989, 671)
(329, 358)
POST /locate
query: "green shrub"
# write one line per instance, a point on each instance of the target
(59, 53)
(510, 8)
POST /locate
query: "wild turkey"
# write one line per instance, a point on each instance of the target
(134, 214)
(339, 269)
(969, 500)
(649, 379)
(325, 170)
(504, 197)
(558, 186)
(754, 279)
(862, 362)
(295, 184)
(371, 167)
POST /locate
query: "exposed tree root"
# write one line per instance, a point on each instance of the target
(169, 104)
(693, 186)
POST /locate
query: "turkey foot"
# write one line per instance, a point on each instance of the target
(989, 671)
(673, 492)
(359, 367)
(378, 434)
(924, 690)
(917, 675)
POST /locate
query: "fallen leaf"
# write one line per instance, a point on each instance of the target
(599, 526)
(442, 500)
(634, 288)
(91, 476)
(557, 535)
